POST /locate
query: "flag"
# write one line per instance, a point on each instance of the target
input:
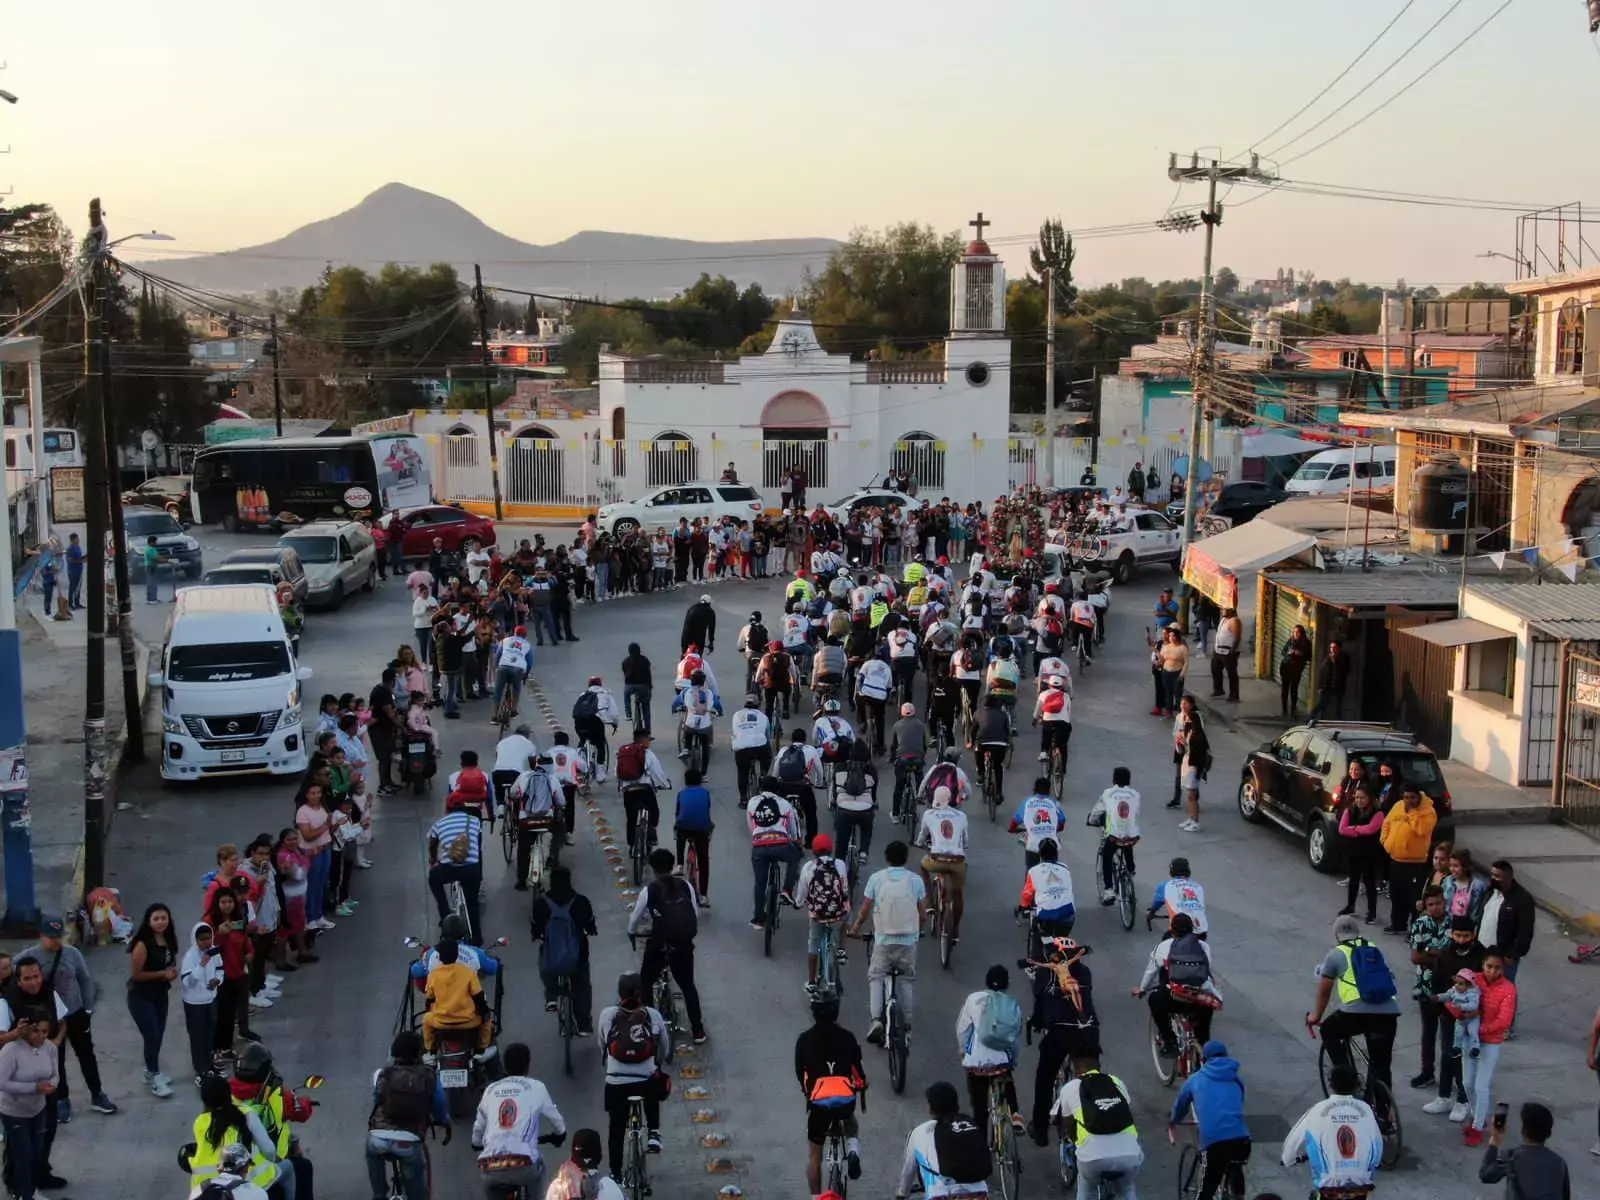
(1570, 570)
(1531, 556)
(1498, 558)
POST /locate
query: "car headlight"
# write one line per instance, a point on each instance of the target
(171, 724)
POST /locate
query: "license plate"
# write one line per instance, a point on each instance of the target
(233, 756)
(453, 1079)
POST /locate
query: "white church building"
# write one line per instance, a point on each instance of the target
(663, 421)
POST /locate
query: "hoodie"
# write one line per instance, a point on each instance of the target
(197, 971)
(1217, 1095)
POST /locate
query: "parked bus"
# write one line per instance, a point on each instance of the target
(278, 482)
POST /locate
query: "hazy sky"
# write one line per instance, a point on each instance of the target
(712, 119)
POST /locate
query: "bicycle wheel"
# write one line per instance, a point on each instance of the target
(1189, 1164)
(1166, 1068)
(508, 837)
(1323, 1063)
(991, 788)
(947, 942)
(691, 866)
(633, 1185)
(641, 847)
(564, 1021)
(1388, 1114)
(1069, 1167)
(1058, 772)
(834, 1175)
(536, 868)
(852, 862)
(899, 1052)
(1125, 898)
(1007, 1165)
(666, 1005)
(770, 924)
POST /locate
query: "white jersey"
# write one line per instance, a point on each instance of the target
(569, 765)
(1184, 896)
(922, 1164)
(466, 955)
(1121, 807)
(515, 653)
(795, 626)
(699, 707)
(1082, 613)
(874, 679)
(1053, 705)
(751, 729)
(828, 732)
(1051, 605)
(772, 820)
(944, 832)
(860, 599)
(1341, 1139)
(513, 753)
(508, 1118)
(1052, 886)
(1055, 666)
(902, 644)
(1040, 817)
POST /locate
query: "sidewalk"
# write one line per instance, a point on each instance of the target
(54, 655)
(1559, 865)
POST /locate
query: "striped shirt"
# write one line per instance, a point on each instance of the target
(453, 825)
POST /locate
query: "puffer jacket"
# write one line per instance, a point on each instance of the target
(1499, 1009)
(1408, 832)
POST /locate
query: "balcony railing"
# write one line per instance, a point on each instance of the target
(905, 371)
(667, 370)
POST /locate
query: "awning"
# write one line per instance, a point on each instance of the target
(1254, 545)
(1463, 631)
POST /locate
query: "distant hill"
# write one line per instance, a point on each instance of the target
(398, 223)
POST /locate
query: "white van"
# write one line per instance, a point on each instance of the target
(230, 687)
(1334, 472)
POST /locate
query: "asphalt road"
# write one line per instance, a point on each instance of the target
(1270, 918)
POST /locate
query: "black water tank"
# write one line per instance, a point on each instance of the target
(1439, 494)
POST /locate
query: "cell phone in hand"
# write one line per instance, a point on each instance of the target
(1501, 1111)
(210, 950)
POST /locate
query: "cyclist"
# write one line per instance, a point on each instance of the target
(579, 1177)
(897, 900)
(406, 1100)
(832, 734)
(563, 920)
(674, 909)
(532, 800)
(989, 1034)
(824, 890)
(774, 675)
(903, 658)
(873, 681)
(943, 697)
(855, 798)
(944, 833)
(915, 571)
(991, 740)
(1366, 999)
(1216, 1093)
(1056, 667)
(774, 837)
(1063, 1010)
(1096, 1114)
(1083, 625)
(691, 662)
(827, 670)
(1047, 894)
(800, 588)
(1181, 894)
(514, 657)
(1117, 813)
(700, 706)
(861, 595)
(570, 767)
(1003, 676)
(1178, 980)
(750, 736)
(827, 1062)
(513, 755)
(752, 643)
(594, 709)
(505, 1131)
(798, 769)
(453, 928)
(947, 1155)
(641, 776)
(470, 789)
(1052, 712)
(1038, 817)
(636, 1041)
(1340, 1135)
(940, 639)
(966, 668)
(908, 748)
(946, 772)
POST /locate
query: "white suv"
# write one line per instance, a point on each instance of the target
(663, 507)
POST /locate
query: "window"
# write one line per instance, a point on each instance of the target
(1319, 756)
(696, 496)
(1492, 667)
(1569, 338)
(737, 493)
(227, 662)
(1339, 471)
(1290, 745)
(920, 454)
(1425, 358)
(1349, 359)
(316, 549)
(346, 550)
(1153, 523)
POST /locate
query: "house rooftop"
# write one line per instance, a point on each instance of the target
(1561, 610)
(1482, 412)
(1372, 589)
(1424, 340)
(1554, 283)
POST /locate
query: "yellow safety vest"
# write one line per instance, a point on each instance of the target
(800, 587)
(915, 572)
(1349, 993)
(270, 1113)
(206, 1161)
(880, 610)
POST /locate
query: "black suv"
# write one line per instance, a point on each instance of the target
(1299, 781)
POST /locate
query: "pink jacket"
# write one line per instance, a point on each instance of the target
(1499, 1009)
(1350, 828)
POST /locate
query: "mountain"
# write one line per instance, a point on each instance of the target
(398, 223)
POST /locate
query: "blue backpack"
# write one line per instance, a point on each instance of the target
(559, 953)
(1373, 978)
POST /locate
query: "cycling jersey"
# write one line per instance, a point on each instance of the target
(967, 664)
(751, 729)
(1055, 666)
(902, 644)
(922, 1163)
(829, 661)
(1121, 808)
(1082, 613)
(800, 587)
(698, 706)
(1049, 889)
(874, 679)
(774, 670)
(830, 731)
(944, 832)
(1053, 705)
(860, 599)
(795, 626)
(1039, 817)
(507, 1124)
(515, 653)
(1341, 1139)
(1182, 895)
(772, 820)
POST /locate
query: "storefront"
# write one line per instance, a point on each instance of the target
(1224, 567)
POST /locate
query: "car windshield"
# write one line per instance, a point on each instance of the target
(240, 575)
(314, 549)
(144, 524)
(230, 662)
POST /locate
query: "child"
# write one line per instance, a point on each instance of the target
(199, 977)
(227, 920)
(346, 827)
(417, 723)
(455, 999)
(293, 868)
(693, 824)
(1465, 1002)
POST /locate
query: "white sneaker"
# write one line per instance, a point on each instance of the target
(1459, 1113)
(274, 981)
(1108, 897)
(161, 1086)
(1437, 1105)
(260, 1000)
(322, 924)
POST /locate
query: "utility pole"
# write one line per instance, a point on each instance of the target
(277, 394)
(1050, 378)
(94, 468)
(482, 305)
(133, 714)
(1409, 383)
(1211, 172)
(1383, 323)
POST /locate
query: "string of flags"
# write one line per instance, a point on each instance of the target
(1571, 566)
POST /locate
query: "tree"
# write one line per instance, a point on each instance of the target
(894, 284)
(1225, 284)
(1054, 254)
(1480, 291)
(595, 326)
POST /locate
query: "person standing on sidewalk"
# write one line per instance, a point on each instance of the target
(152, 966)
(1332, 681)
(152, 590)
(66, 971)
(1291, 667)
(1506, 926)
(1464, 952)
(386, 729)
(1429, 936)
(1225, 654)
(29, 1078)
(1408, 838)
(75, 559)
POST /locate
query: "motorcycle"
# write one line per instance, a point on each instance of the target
(310, 1084)
(464, 1071)
(419, 763)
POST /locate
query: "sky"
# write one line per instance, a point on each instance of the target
(711, 119)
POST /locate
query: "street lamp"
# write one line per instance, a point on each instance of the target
(152, 236)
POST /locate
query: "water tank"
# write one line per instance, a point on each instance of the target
(1439, 495)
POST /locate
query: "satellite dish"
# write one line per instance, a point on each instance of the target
(149, 439)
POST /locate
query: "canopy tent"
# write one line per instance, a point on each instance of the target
(1216, 564)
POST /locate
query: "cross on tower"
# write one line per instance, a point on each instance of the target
(979, 224)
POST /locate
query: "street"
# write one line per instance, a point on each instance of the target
(1270, 918)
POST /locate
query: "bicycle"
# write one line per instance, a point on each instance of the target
(854, 861)
(1375, 1092)
(635, 1179)
(505, 708)
(536, 864)
(829, 954)
(896, 1037)
(636, 711)
(639, 851)
(1058, 771)
(694, 742)
(1122, 881)
(1084, 657)
(772, 906)
(905, 795)
(941, 917)
(1187, 1060)
(1003, 1136)
(508, 836)
(455, 898)
(663, 999)
(836, 1155)
(589, 753)
(991, 783)
(1192, 1171)
(394, 1172)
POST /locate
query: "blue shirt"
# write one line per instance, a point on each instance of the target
(75, 557)
(919, 891)
(694, 810)
(1217, 1095)
(1166, 613)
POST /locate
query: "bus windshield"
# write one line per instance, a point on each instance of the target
(228, 662)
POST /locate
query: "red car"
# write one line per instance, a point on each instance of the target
(458, 529)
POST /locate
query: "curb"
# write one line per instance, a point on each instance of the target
(1564, 908)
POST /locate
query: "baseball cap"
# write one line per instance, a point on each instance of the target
(52, 926)
(822, 844)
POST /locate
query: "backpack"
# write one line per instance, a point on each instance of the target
(405, 1095)
(672, 912)
(1000, 1026)
(855, 779)
(630, 762)
(1103, 1108)
(1053, 636)
(588, 705)
(630, 1038)
(962, 1148)
(757, 638)
(472, 788)
(943, 776)
(1373, 978)
(1187, 964)
(827, 898)
(562, 945)
(894, 908)
(792, 764)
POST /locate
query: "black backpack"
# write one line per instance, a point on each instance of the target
(1187, 964)
(764, 812)
(588, 705)
(1103, 1106)
(756, 641)
(855, 779)
(963, 1149)
(792, 764)
(405, 1095)
(672, 912)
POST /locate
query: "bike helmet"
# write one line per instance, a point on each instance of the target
(523, 731)
(453, 927)
(594, 681)
(908, 710)
(831, 707)
(751, 701)
(1056, 682)
(705, 598)
(254, 1064)
(235, 1159)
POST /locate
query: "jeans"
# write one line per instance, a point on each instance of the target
(510, 677)
(525, 1181)
(74, 586)
(1480, 1080)
(602, 580)
(200, 1020)
(760, 859)
(452, 693)
(150, 588)
(543, 621)
(149, 1013)
(1091, 1175)
(317, 883)
(26, 1151)
(48, 584)
(410, 1156)
(1327, 704)
(1405, 889)
(642, 691)
(425, 644)
(1172, 689)
(1289, 692)
(903, 959)
(1202, 634)
(616, 1101)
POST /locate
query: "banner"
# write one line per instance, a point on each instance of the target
(1204, 573)
(1586, 689)
(67, 506)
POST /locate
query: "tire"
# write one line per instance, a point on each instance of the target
(1125, 567)
(338, 594)
(1166, 1069)
(1393, 1135)
(1125, 902)
(1069, 1168)
(625, 525)
(1322, 1067)
(1188, 1172)
(898, 1057)
(1250, 802)
(1176, 563)
(1320, 850)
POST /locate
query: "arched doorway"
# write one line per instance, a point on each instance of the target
(794, 434)
(921, 455)
(672, 458)
(619, 442)
(533, 467)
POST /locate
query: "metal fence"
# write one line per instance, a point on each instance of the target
(465, 469)
(669, 461)
(1022, 466)
(1578, 788)
(535, 472)
(779, 458)
(922, 456)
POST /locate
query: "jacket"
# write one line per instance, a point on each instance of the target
(1530, 1172)
(196, 972)
(1498, 1009)
(1408, 832)
(1362, 836)
(699, 627)
(1217, 1095)
(1334, 675)
(636, 670)
(578, 906)
(72, 980)
(1513, 929)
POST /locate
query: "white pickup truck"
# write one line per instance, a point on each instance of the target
(1152, 539)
